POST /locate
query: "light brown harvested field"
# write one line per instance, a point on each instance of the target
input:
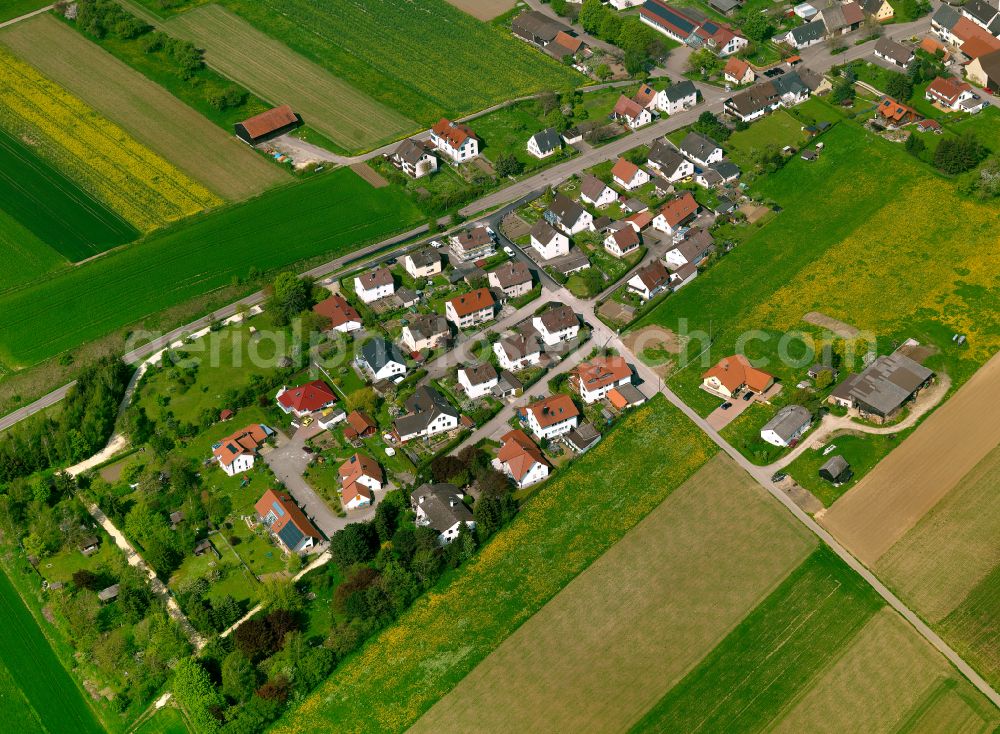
(935, 565)
(608, 646)
(483, 9)
(274, 72)
(147, 111)
(369, 174)
(916, 476)
(882, 680)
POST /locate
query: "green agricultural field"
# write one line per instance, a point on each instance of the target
(15, 707)
(826, 251)
(972, 627)
(26, 257)
(772, 655)
(426, 59)
(46, 687)
(566, 526)
(331, 214)
(343, 113)
(13, 8)
(53, 208)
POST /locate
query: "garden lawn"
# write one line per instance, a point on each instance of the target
(983, 125)
(772, 654)
(234, 581)
(166, 720)
(827, 252)
(54, 208)
(562, 530)
(395, 51)
(25, 657)
(507, 130)
(328, 215)
(62, 565)
(862, 451)
(779, 129)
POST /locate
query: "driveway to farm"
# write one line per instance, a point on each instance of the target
(288, 461)
(833, 425)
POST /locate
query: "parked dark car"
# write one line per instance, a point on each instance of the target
(726, 406)
(748, 395)
(778, 476)
(776, 71)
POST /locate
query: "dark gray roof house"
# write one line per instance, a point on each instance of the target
(424, 258)
(423, 406)
(537, 28)
(984, 13)
(565, 211)
(808, 33)
(425, 326)
(946, 16)
(665, 157)
(788, 423)
(698, 146)
(583, 437)
(897, 53)
(440, 507)
(508, 385)
(680, 90)
(378, 353)
(547, 141)
(884, 386)
(727, 169)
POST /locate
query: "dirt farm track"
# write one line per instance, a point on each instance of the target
(916, 476)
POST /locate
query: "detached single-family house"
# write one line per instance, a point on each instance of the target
(649, 280)
(548, 241)
(382, 360)
(374, 285)
(691, 27)
(665, 160)
(479, 380)
(985, 70)
(521, 459)
(279, 514)
(880, 10)
(984, 13)
(473, 244)
(881, 390)
(236, 452)
(738, 71)
(677, 97)
(895, 114)
(342, 315)
(557, 324)
(470, 309)
(787, 426)
(807, 34)
(305, 399)
(594, 379)
(422, 263)
(552, 416)
(545, 143)
(597, 193)
(628, 175)
(633, 114)
(428, 414)
(425, 331)
(568, 215)
(622, 242)
(952, 94)
(360, 475)
(895, 53)
(413, 159)
(440, 506)
(513, 278)
(786, 90)
(694, 248)
(730, 375)
(454, 140)
(676, 213)
(701, 149)
(518, 352)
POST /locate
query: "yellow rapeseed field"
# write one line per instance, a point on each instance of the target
(135, 182)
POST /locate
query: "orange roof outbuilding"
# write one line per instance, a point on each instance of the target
(268, 122)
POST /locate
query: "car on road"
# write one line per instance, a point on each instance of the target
(726, 406)
(776, 71)
(507, 249)
(778, 476)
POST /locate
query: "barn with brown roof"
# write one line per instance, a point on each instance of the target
(266, 125)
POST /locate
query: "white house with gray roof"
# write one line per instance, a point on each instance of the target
(701, 149)
(545, 143)
(440, 506)
(547, 241)
(787, 426)
(382, 360)
(677, 97)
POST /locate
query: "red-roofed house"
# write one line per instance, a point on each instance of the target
(280, 514)
(649, 280)
(675, 213)
(521, 460)
(622, 242)
(631, 112)
(732, 374)
(594, 379)
(343, 316)
(895, 114)
(455, 140)
(237, 451)
(738, 71)
(953, 94)
(306, 399)
(360, 475)
(470, 308)
(359, 425)
(553, 416)
(628, 175)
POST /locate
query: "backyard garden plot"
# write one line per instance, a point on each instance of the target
(425, 58)
(562, 530)
(886, 679)
(710, 552)
(54, 208)
(921, 472)
(56, 703)
(343, 113)
(826, 251)
(331, 214)
(156, 118)
(763, 664)
(102, 158)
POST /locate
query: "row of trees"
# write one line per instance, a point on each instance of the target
(642, 47)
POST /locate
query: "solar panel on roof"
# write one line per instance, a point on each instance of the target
(278, 508)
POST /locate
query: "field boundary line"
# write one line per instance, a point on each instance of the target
(32, 14)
